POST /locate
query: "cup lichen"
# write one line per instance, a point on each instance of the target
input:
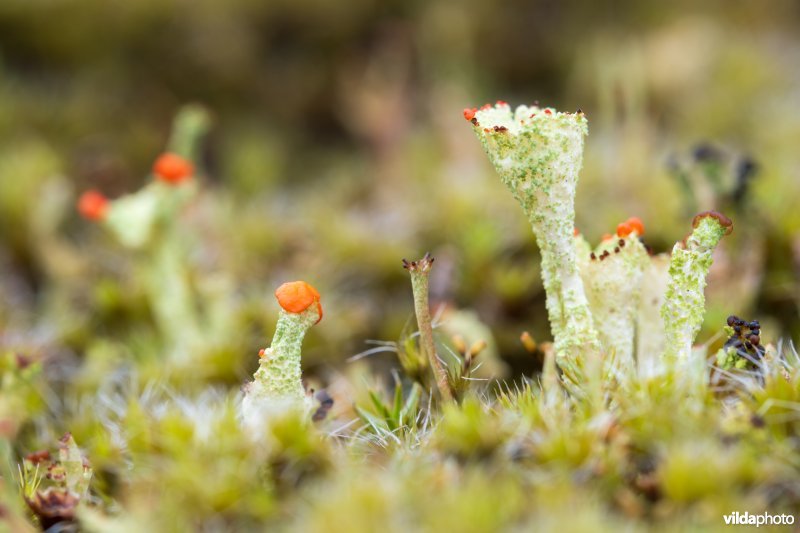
(538, 153)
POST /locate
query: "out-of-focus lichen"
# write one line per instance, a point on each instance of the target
(742, 348)
(419, 271)
(650, 343)
(54, 488)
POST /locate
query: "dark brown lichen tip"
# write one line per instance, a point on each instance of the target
(422, 265)
(724, 221)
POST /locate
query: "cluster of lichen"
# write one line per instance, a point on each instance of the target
(592, 303)
(505, 456)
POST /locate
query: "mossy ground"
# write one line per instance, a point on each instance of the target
(517, 459)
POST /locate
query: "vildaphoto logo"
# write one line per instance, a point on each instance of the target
(765, 519)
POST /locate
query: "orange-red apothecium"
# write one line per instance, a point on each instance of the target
(172, 168)
(297, 296)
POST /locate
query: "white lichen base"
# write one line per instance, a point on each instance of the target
(277, 386)
(538, 154)
(613, 285)
(650, 341)
(148, 222)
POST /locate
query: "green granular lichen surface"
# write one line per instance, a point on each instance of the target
(538, 159)
(684, 306)
(279, 372)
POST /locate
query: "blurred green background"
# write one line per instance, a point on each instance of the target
(339, 148)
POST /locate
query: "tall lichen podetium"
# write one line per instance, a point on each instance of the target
(684, 304)
(649, 324)
(419, 271)
(277, 383)
(538, 153)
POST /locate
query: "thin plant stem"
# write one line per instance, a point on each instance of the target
(419, 271)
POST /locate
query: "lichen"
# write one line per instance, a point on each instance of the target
(538, 153)
(684, 305)
(650, 341)
(612, 277)
(277, 383)
(419, 271)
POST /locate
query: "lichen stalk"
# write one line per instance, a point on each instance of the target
(279, 373)
(419, 271)
(538, 154)
(277, 383)
(612, 278)
(650, 342)
(170, 295)
(684, 305)
(188, 128)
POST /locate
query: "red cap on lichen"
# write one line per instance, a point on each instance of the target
(297, 296)
(629, 226)
(172, 168)
(92, 205)
(469, 113)
(724, 221)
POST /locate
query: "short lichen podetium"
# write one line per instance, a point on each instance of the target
(684, 304)
(149, 214)
(419, 271)
(538, 154)
(612, 276)
(278, 384)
